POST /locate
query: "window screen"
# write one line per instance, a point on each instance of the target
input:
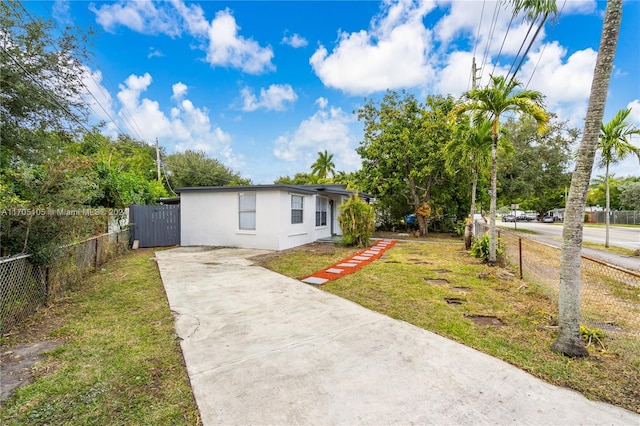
(297, 208)
(247, 210)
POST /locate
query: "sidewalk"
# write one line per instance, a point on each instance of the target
(261, 348)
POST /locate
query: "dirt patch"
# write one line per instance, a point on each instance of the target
(25, 345)
(318, 248)
(16, 363)
(461, 289)
(437, 281)
(485, 320)
(454, 300)
(441, 271)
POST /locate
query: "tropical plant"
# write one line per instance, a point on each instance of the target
(480, 248)
(614, 146)
(357, 222)
(493, 101)
(471, 150)
(323, 166)
(194, 168)
(402, 152)
(569, 341)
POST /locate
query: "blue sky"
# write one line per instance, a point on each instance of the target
(263, 85)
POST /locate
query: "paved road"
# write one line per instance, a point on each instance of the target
(618, 236)
(264, 349)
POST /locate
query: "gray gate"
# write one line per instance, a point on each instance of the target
(155, 226)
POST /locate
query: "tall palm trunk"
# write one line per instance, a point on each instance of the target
(494, 195)
(468, 231)
(569, 341)
(607, 207)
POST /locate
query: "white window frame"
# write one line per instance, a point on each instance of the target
(297, 209)
(322, 206)
(246, 210)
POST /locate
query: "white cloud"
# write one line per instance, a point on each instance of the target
(295, 41)
(140, 16)
(227, 48)
(577, 6)
(153, 52)
(322, 102)
(393, 54)
(61, 12)
(99, 99)
(179, 90)
(220, 39)
(273, 98)
(561, 80)
(634, 117)
(186, 127)
(326, 129)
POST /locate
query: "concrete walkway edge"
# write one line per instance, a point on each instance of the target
(264, 349)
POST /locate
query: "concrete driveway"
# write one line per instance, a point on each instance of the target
(264, 349)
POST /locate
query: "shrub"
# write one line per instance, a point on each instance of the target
(357, 221)
(480, 248)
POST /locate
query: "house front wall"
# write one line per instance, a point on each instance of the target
(212, 219)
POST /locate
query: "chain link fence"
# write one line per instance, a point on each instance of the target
(24, 286)
(609, 295)
(623, 217)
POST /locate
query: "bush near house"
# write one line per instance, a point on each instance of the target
(357, 221)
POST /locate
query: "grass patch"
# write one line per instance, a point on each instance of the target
(407, 284)
(120, 362)
(612, 249)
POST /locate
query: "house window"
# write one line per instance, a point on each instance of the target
(297, 208)
(247, 211)
(321, 211)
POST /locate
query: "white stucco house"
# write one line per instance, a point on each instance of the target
(272, 217)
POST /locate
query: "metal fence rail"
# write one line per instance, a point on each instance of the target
(623, 217)
(25, 287)
(608, 295)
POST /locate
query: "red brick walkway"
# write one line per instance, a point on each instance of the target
(349, 265)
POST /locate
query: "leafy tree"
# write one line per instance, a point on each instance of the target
(569, 340)
(614, 146)
(630, 194)
(298, 179)
(40, 82)
(402, 151)
(534, 173)
(493, 101)
(597, 195)
(42, 208)
(323, 166)
(470, 151)
(194, 168)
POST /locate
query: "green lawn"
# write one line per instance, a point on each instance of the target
(407, 284)
(119, 362)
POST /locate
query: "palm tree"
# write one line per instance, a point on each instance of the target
(471, 151)
(569, 341)
(323, 165)
(614, 146)
(493, 101)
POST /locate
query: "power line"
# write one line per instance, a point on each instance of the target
(129, 120)
(496, 13)
(472, 80)
(506, 34)
(535, 68)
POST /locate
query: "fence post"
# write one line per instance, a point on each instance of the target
(520, 254)
(95, 255)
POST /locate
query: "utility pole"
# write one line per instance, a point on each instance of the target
(474, 71)
(158, 160)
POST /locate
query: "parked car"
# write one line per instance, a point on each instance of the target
(508, 218)
(548, 219)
